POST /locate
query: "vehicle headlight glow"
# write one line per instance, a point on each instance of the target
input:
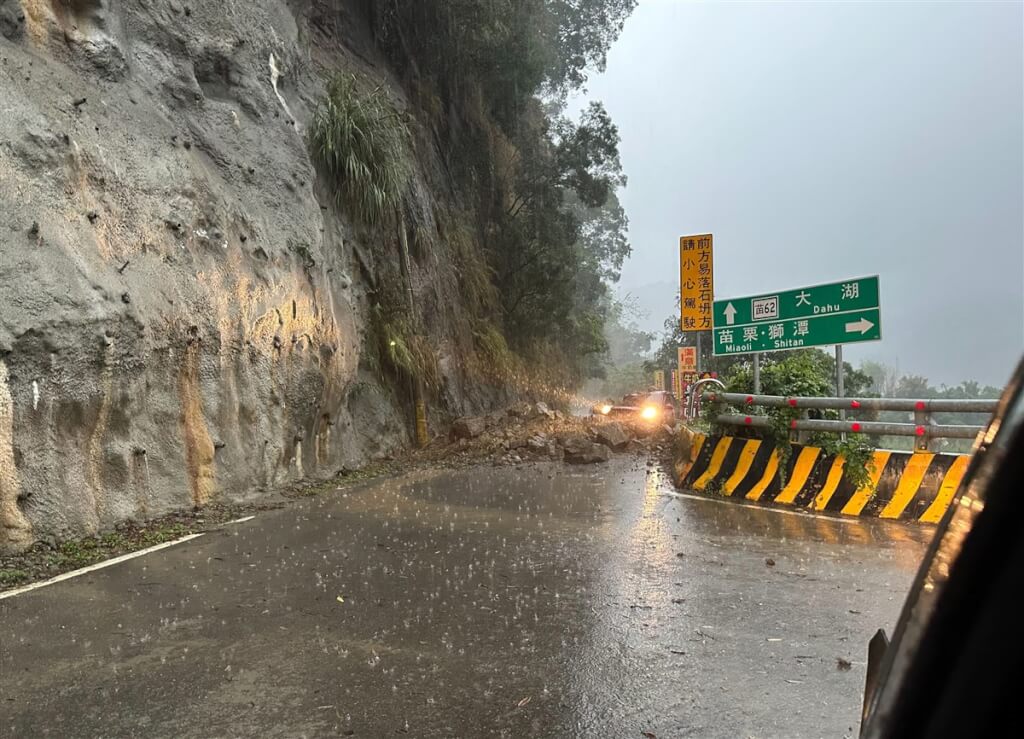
(606, 409)
(649, 413)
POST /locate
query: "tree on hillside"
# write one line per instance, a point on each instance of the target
(883, 377)
(912, 386)
(918, 387)
(621, 368)
(490, 79)
(627, 342)
(582, 31)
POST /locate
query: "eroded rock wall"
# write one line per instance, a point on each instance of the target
(181, 315)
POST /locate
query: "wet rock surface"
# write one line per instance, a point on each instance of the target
(525, 434)
(468, 428)
(537, 600)
(502, 439)
(612, 435)
(580, 450)
(183, 306)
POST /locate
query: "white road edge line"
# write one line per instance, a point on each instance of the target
(240, 520)
(770, 509)
(97, 566)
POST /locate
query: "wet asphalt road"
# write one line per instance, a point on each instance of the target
(538, 601)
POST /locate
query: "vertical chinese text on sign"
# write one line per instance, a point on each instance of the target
(696, 281)
(687, 359)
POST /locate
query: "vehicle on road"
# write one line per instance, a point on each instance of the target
(953, 667)
(650, 408)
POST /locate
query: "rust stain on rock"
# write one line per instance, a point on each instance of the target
(15, 531)
(198, 443)
(95, 459)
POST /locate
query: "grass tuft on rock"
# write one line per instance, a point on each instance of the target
(360, 143)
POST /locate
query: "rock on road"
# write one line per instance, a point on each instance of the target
(533, 601)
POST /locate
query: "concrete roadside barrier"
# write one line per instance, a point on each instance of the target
(915, 486)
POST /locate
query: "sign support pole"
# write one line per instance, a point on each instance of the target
(699, 333)
(840, 390)
(757, 373)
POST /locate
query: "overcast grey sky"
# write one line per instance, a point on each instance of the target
(825, 140)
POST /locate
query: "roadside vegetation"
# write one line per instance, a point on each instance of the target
(805, 373)
(811, 372)
(887, 382)
(362, 146)
(45, 560)
(534, 226)
(624, 368)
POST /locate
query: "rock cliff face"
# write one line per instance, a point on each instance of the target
(181, 306)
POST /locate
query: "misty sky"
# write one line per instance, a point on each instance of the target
(819, 141)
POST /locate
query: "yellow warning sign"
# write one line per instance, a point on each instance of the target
(696, 281)
(687, 359)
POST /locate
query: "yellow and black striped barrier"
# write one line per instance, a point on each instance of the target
(901, 485)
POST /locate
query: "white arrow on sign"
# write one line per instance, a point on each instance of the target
(730, 314)
(862, 326)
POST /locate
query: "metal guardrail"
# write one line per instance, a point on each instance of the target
(924, 429)
(695, 394)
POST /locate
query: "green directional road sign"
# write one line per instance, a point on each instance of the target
(838, 313)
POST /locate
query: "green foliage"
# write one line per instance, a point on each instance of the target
(510, 49)
(857, 449)
(620, 369)
(627, 343)
(603, 236)
(361, 146)
(75, 553)
(586, 155)
(913, 386)
(584, 30)
(12, 576)
(498, 360)
(804, 373)
(492, 77)
(392, 344)
(801, 373)
(562, 237)
(402, 350)
(883, 378)
(672, 337)
(893, 385)
(476, 276)
(620, 380)
(710, 411)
